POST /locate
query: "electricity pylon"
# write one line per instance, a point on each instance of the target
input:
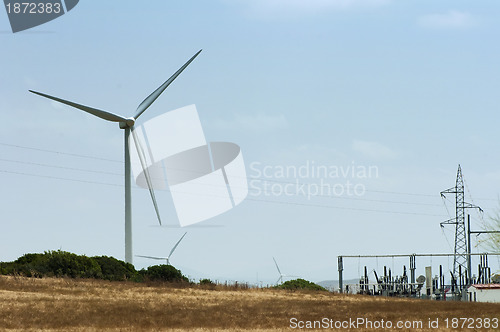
(460, 266)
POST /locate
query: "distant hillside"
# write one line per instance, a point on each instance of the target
(332, 285)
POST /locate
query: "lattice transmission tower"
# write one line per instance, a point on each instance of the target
(460, 266)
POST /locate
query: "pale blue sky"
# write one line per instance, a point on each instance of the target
(410, 87)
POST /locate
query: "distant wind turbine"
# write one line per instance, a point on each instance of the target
(280, 279)
(128, 125)
(169, 255)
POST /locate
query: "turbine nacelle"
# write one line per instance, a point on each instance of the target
(128, 123)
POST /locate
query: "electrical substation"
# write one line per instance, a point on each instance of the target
(439, 276)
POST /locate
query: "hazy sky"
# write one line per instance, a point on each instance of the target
(404, 89)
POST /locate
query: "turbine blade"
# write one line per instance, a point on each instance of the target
(152, 97)
(142, 158)
(94, 111)
(152, 257)
(277, 266)
(173, 249)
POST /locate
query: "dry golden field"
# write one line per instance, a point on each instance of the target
(28, 304)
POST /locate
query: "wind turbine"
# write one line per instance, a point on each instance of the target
(280, 279)
(169, 255)
(127, 124)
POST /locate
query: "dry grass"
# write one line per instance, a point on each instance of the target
(89, 305)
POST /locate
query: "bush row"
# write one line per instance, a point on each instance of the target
(65, 264)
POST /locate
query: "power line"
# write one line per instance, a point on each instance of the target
(248, 198)
(60, 178)
(61, 153)
(401, 193)
(120, 174)
(248, 178)
(348, 208)
(59, 167)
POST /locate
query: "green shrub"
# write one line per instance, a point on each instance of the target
(300, 284)
(206, 282)
(28, 258)
(114, 269)
(62, 263)
(163, 273)
(54, 263)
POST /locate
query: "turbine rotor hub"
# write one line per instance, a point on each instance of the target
(129, 123)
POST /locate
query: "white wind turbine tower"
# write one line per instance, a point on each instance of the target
(169, 255)
(280, 279)
(128, 125)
